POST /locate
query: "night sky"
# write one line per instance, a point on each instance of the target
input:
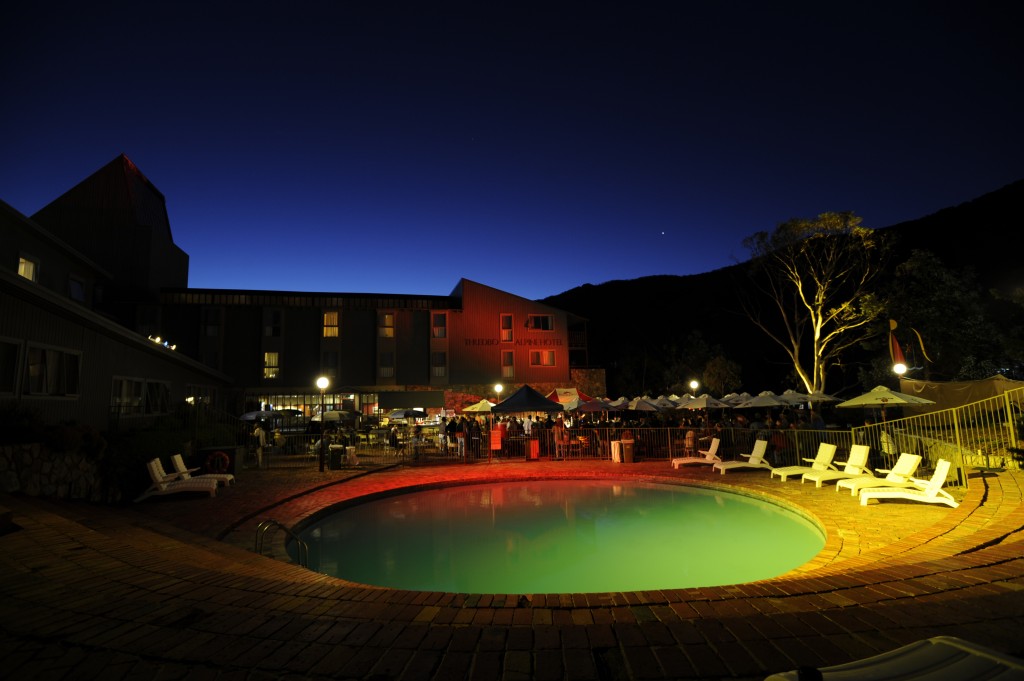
(533, 147)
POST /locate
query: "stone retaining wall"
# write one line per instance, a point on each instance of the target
(34, 470)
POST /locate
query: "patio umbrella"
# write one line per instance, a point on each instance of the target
(260, 415)
(329, 416)
(407, 414)
(640, 404)
(793, 397)
(481, 406)
(596, 405)
(818, 396)
(705, 401)
(880, 396)
(737, 398)
(765, 399)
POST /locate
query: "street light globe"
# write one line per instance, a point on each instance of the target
(899, 369)
(322, 383)
(694, 385)
(498, 387)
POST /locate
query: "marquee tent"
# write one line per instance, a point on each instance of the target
(526, 399)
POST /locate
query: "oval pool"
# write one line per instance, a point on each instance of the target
(561, 536)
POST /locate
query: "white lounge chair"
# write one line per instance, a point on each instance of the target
(821, 462)
(932, 659)
(186, 473)
(929, 491)
(173, 483)
(857, 465)
(898, 476)
(710, 456)
(754, 460)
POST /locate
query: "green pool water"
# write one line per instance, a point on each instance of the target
(577, 536)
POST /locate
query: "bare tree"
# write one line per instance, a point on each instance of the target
(813, 289)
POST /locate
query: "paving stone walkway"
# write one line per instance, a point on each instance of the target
(171, 588)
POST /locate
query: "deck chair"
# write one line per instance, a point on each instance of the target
(754, 460)
(164, 483)
(898, 476)
(710, 455)
(857, 465)
(186, 473)
(928, 491)
(821, 462)
(931, 659)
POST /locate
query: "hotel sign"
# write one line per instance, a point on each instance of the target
(532, 342)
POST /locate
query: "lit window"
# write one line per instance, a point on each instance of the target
(331, 324)
(540, 322)
(508, 367)
(506, 328)
(542, 358)
(386, 324)
(271, 364)
(28, 268)
(440, 325)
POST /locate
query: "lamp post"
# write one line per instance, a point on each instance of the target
(322, 383)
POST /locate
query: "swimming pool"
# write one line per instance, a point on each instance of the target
(561, 536)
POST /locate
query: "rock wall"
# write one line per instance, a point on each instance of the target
(34, 470)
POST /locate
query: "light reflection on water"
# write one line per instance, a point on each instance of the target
(560, 536)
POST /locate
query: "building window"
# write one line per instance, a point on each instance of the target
(211, 322)
(158, 398)
(387, 365)
(76, 289)
(506, 328)
(271, 364)
(8, 367)
(52, 372)
(331, 324)
(126, 396)
(542, 358)
(28, 268)
(508, 364)
(438, 364)
(329, 364)
(540, 322)
(272, 327)
(386, 324)
(440, 325)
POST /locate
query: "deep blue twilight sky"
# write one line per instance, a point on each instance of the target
(533, 147)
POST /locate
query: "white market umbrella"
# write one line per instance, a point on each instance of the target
(794, 398)
(481, 406)
(765, 399)
(705, 401)
(880, 396)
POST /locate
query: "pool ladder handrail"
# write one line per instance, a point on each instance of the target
(269, 524)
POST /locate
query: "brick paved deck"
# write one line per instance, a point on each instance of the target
(171, 588)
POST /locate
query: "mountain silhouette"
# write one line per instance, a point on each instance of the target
(630, 320)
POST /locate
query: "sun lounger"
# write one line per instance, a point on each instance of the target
(934, 659)
(898, 476)
(186, 473)
(173, 484)
(856, 466)
(821, 462)
(710, 456)
(754, 460)
(927, 491)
